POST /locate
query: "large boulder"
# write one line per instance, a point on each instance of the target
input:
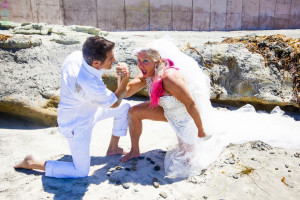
(30, 75)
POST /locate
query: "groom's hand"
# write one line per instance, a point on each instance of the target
(122, 69)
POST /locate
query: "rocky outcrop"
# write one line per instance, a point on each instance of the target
(30, 74)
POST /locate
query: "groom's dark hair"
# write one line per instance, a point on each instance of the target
(96, 48)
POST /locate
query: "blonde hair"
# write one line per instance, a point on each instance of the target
(155, 57)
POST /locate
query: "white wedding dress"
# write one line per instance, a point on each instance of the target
(192, 154)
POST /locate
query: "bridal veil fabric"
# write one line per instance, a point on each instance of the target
(192, 154)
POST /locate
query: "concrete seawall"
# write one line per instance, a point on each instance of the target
(117, 15)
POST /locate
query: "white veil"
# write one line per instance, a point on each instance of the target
(226, 127)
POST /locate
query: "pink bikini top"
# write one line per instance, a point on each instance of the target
(157, 89)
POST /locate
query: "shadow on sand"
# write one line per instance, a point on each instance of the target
(76, 188)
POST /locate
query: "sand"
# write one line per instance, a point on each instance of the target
(275, 174)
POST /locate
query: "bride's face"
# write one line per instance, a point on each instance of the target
(146, 64)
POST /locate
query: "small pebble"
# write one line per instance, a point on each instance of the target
(272, 152)
(163, 194)
(108, 173)
(118, 167)
(127, 169)
(126, 186)
(156, 184)
(136, 190)
(232, 162)
(205, 197)
(135, 159)
(276, 168)
(152, 162)
(296, 155)
(133, 168)
(148, 158)
(111, 169)
(141, 157)
(287, 166)
(289, 170)
(253, 159)
(155, 179)
(235, 176)
(157, 168)
(118, 182)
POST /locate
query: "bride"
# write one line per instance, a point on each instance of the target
(179, 94)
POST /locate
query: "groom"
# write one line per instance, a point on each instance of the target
(85, 100)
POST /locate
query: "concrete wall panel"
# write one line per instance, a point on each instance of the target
(250, 15)
(80, 12)
(266, 14)
(49, 12)
(161, 15)
(234, 6)
(234, 14)
(218, 6)
(201, 21)
(20, 11)
(218, 22)
(295, 14)
(137, 14)
(111, 15)
(233, 22)
(182, 14)
(201, 6)
(282, 11)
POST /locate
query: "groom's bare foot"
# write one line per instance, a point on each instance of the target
(130, 155)
(26, 163)
(117, 151)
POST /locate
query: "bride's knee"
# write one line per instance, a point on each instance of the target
(133, 112)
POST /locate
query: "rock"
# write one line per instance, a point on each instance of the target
(118, 167)
(289, 170)
(157, 168)
(286, 165)
(31, 29)
(126, 185)
(66, 40)
(152, 162)
(235, 176)
(296, 155)
(156, 184)
(136, 190)
(205, 197)
(148, 158)
(20, 42)
(108, 174)
(88, 29)
(155, 179)
(276, 168)
(141, 157)
(163, 194)
(111, 169)
(127, 169)
(232, 162)
(272, 152)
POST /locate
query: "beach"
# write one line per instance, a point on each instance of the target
(253, 170)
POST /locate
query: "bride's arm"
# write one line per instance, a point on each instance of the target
(135, 85)
(174, 84)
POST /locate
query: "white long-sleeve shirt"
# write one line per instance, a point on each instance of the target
(82, 93)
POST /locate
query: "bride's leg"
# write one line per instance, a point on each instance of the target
(136, 115)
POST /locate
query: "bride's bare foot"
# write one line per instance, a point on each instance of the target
(26, 163)
(117, 151)
(130, 155)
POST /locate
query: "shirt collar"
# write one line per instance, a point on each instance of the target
(92, 70)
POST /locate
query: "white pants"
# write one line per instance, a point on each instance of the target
(79, 142)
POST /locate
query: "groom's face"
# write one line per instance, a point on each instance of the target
(146, 65)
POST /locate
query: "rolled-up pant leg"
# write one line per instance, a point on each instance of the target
(80, 150)
(120, 115)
